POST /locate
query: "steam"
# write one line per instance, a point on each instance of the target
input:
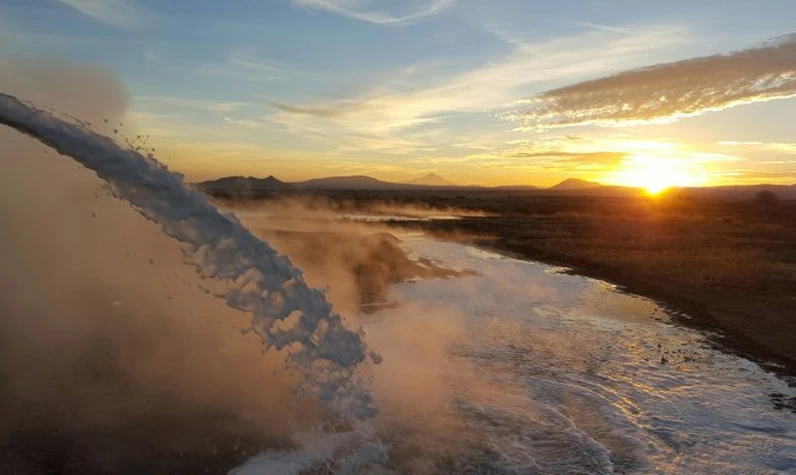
(338, 246)
(252, 276)
(111, 353)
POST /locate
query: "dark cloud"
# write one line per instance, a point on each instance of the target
(670, 91)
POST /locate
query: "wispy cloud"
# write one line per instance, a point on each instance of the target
(752, 176)
(117, 13)
(557, 156)
(331, 110)
(788, 148)
(244, 66)
(386, 112)
(358, 9)
(188, 103)
(668, 92)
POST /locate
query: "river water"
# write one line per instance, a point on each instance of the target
(524, 369)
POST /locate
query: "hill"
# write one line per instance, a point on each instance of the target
(244, 185)
(356, 182)
(432, 179)
(575, 184)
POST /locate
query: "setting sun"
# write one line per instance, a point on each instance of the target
(656, 174)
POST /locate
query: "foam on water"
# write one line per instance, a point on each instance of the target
(249, 274)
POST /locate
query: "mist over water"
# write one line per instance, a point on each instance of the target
(521, 369)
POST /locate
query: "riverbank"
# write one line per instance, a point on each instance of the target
(762, 331)
(728, 269)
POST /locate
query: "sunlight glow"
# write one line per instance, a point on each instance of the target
(656, 174)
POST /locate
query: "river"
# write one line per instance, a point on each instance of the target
(523, 369)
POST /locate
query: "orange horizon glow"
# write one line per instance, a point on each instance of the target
(654, 166)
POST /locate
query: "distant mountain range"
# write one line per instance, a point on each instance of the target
(243, 185)
(239, 185)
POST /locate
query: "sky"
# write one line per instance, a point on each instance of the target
(489, 92)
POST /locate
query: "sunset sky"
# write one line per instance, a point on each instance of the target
(492, 92)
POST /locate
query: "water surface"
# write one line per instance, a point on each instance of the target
(523, 369)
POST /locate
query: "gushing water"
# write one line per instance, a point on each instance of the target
(248, 273)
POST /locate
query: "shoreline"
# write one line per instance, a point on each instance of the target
(683, 310)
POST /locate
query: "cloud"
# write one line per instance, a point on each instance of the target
(670, 91)
(591, 158)
(117, 13)
(386, 111)
(199, 104)
(358, 10)
(751, 176)
(788, 148)
(244, 66)
(324, 111)
(548, 156)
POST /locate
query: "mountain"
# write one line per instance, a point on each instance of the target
(431, 179)
(356, 182)
(244, 185)
(571, 184)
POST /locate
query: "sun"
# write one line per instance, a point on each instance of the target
(655, 179)
(656, 174)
